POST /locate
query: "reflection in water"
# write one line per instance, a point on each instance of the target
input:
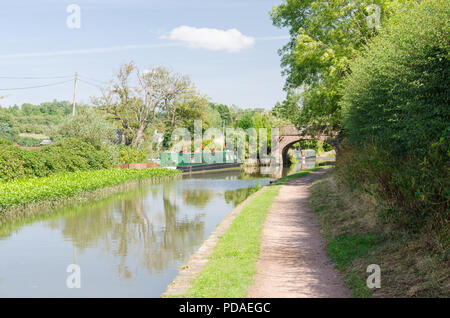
(128, 245)
(197, 198)
(238, 196)
(279, 171)
(127, 225)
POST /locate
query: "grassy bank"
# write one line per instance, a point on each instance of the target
(232, 265)
(18, 194)
(357, 237)
(14, 219)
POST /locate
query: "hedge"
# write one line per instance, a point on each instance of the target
(65, 156)
(396, 118)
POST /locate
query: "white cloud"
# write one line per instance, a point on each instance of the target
(231, 40)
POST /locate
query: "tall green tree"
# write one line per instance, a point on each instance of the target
(246, 121)
(224, 111)
(290, 108)
(325, 36)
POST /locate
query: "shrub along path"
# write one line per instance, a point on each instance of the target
(293, 261)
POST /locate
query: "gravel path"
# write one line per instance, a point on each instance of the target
(293, 262)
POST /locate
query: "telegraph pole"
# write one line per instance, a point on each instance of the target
(75, 94)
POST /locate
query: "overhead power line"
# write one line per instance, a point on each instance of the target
(35, 77)
(37, 86)
(93, 79)
(89, 83)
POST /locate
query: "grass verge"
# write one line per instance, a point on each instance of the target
(357, 237)
(230, 269)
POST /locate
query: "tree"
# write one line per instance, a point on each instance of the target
(290, 108)
(246, 122)
(6, 131)
(193, 107)
(325, 36)
(135, 106)
(35, 119)
(89, 126)
(213, 118)
(224, 111)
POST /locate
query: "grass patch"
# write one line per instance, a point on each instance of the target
(232, 266)
(357, 237)
(344, 249)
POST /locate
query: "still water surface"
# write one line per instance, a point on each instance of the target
(130, 244)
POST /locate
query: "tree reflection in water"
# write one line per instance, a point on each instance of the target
(131, 243)
(127, 224)
(239, 195)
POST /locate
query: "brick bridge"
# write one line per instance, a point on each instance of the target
(289, 135)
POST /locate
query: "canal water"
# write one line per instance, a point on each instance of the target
(130, 244)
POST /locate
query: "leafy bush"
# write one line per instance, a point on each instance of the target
(11, 162)
(398, 93)
(6, 142)
(132, 155)
(326, 147)
(6, 132)
(28, 141)
(89, 126)
(397, 119)
(65, 156)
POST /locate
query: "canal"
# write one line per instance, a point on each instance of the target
(130, 244)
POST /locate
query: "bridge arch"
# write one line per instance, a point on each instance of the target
(289, 135)
(285, 144)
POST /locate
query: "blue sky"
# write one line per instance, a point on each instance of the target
(239, 67)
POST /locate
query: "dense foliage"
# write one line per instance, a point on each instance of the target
(398, 93)
(36, 119)
(325, 36)
(132, 155)
(29, 124)
(88, 125)
(397, 118)
(65, 156)
(385, 91)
